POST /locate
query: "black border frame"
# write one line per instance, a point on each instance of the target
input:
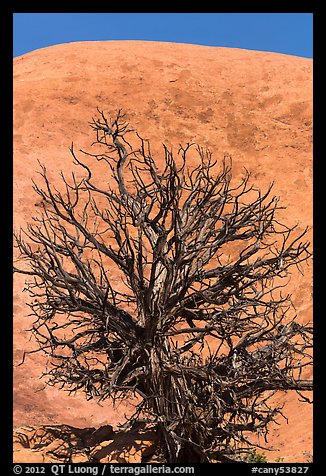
(59, 6)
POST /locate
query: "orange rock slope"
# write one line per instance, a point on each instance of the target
(256, 106)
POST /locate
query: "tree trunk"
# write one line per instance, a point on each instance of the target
(181, 443)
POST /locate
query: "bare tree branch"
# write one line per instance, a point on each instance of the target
(203, 263)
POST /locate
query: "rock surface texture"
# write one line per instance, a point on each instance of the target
(255, 106)
(66, 444)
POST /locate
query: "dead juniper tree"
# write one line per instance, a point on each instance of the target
(168, 283)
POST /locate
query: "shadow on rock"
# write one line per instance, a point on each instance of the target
(67, 444)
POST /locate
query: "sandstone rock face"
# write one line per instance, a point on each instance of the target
(65, 444)
(255, 106)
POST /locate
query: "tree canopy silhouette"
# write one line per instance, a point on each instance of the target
(167, 281)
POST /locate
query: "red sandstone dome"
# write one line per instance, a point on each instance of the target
(256, 106)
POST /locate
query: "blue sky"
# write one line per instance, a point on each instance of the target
(288, 33)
